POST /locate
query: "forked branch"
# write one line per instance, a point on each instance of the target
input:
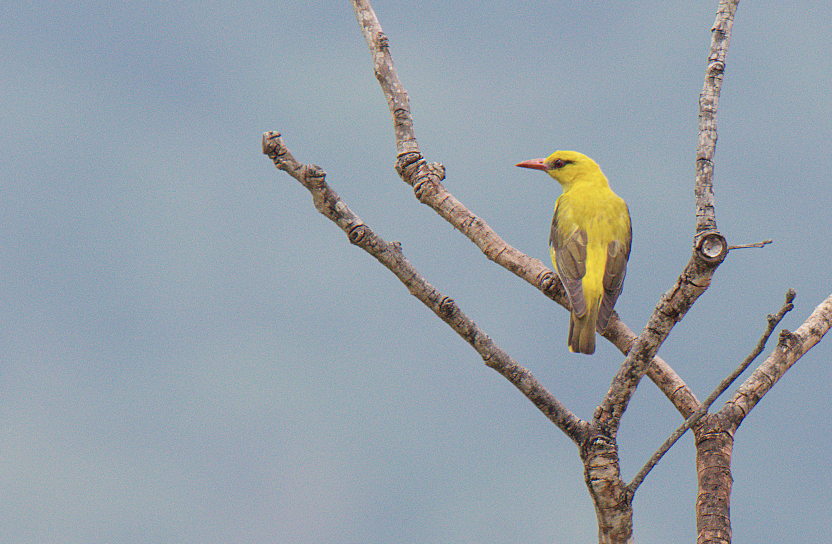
(771, 323)
(425, 179)
(715, 432)
(709, 246)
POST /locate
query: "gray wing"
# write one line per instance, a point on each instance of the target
(617, 254)
(569, 254)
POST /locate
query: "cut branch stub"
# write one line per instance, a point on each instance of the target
(711, 247)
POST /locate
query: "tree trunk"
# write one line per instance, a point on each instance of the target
(714, 443)
(613, 503)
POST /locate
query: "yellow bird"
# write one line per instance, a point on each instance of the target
(589, 243)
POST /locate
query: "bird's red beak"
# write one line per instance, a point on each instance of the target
(534, 164)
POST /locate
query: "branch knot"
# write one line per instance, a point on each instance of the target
(447, 307)
(549, 283)
(270, 143)
(437, 170)
(404, 163)
(717, 67)
(356, 234)
(787, 340)
(419, 174)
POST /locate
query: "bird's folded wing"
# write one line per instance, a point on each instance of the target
(614, 272)
(569, 254)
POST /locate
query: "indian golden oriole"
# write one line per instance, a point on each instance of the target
(589, 243)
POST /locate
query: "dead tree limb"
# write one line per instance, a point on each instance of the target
(328, 203)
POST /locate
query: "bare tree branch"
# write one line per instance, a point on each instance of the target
(425, 178)
(385, 72)
(665, 378)
(612, 497)
(390, 255)
(771, 323)
(596, 439)
(710, 247)
(791, 346)
(715, 432)
(708, 106)
(672, 307)
(600, 451)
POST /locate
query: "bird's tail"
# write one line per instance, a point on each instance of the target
(582, 331)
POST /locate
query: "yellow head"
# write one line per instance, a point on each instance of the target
(568, 168)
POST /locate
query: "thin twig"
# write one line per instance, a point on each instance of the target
(385, 71)
(746, 246)
(708, 106)
(772, 322)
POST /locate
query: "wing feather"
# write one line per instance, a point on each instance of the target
(569, 252)
(618, 252)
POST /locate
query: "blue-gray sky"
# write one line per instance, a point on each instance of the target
(191, 353)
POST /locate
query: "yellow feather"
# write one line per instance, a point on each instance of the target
(590, 228)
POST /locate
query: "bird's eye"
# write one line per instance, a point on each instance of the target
(559, 163)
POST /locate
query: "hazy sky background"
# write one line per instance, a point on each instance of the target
(191, 353)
